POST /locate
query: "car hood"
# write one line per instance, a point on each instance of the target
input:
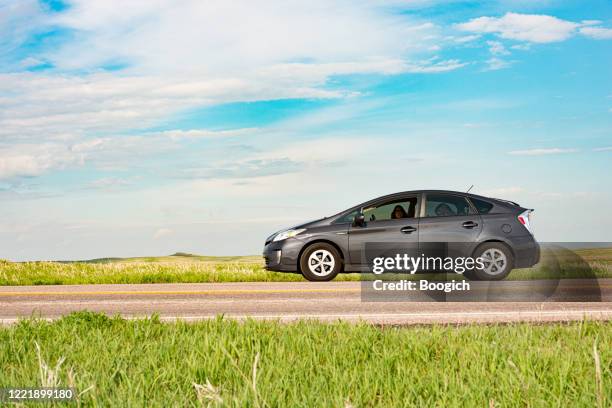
(313, 223)
(309, 224)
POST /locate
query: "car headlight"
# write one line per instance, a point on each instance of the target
(288, 234)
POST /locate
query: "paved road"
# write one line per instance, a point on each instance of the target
(572, 300)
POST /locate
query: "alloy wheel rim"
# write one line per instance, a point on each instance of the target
(321, 262)
(495, 261)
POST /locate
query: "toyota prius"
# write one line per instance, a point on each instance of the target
(494, 230)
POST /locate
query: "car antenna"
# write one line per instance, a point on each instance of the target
(468, 190)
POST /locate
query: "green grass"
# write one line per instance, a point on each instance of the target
(153, 364)
(188, 268)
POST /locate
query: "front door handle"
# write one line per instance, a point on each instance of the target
(408, 230)
(470, 224)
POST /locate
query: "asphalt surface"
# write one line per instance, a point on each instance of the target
(573, 299)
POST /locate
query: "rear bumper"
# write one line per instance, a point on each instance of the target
(526, 251)
(282, 256)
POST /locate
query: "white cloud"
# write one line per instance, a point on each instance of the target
(193, 54)
(535, 28)
(213, 38)
(30, 160)
(497, 50)
(36, 105)
(523, 27)
(541, 152)
(529, 28)
(603, 149)
(598, 33)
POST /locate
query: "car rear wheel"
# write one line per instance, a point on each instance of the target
(497, 260)
(320, 262)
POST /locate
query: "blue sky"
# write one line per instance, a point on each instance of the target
(150, 127)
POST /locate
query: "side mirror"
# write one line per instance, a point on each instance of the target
(359, 220)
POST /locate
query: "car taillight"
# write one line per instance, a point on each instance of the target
(525, 219)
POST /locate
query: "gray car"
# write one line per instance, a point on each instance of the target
(463, 224)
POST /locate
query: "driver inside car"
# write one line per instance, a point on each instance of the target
(398, 212)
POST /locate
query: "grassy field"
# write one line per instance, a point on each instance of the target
(188, 268)
(114, 362)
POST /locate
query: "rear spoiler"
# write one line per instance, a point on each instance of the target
(508, 201)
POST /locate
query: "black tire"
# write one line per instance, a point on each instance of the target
(320, 262)
(494, 271)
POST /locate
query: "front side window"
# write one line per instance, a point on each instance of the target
(442, 205)
(347, 218)
(391, 210)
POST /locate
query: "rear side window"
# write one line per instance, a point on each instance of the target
(442, 205)
(483, 207)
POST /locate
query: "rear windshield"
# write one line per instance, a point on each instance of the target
(483, 207)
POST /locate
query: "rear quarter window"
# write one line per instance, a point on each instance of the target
(482, 206)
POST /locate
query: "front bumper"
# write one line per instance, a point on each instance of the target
(282, 256)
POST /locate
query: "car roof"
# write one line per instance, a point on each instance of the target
(504, 203)
(401, 193)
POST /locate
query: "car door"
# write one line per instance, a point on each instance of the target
(386, 231)
(449, 225)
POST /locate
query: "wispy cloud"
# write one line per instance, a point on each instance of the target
(109, 183)
(494, 64)
(205, 133)
(29, 160)
(603, 149)
(243, 169)
(433, 66)
(497, 48)
(161, 233)
(541, 152)
(598, 33)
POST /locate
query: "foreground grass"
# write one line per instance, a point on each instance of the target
(186, 268)
(114, 362)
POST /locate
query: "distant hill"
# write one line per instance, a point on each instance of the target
(177, 257)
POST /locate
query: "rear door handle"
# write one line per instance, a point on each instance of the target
(470, 224)
(408, 230)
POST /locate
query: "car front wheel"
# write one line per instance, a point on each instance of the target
(320, 262)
